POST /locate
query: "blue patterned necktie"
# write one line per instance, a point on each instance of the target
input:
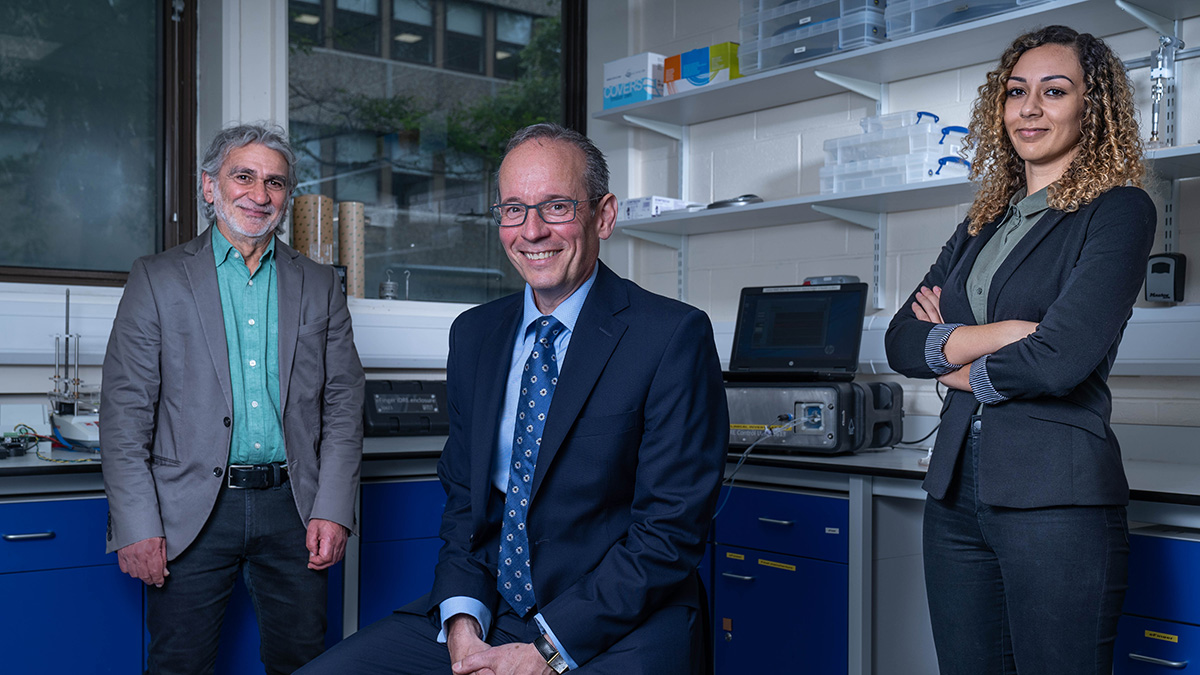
(537, 388)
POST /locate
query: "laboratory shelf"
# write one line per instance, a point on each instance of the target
(1165, 163)
(926, 195)
(1181, 161)
(979, 41)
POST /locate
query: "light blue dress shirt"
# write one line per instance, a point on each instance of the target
(567, 313)
(250, 309)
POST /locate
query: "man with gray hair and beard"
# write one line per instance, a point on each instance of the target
(232, 420)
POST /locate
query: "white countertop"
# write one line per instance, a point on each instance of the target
(1162, 463)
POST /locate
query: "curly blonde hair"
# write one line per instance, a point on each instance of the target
(1110, 148)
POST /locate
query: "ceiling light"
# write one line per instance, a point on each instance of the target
(307, 19)
(501, 55)
(408, 38)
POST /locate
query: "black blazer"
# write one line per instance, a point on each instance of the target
(627, 473)
(1077, 275)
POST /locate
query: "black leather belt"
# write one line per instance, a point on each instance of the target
(255, 476)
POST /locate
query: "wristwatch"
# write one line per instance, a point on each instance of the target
(548, 652)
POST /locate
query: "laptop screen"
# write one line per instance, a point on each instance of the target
(810, 332)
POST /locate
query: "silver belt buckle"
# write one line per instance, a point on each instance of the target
(229, 475)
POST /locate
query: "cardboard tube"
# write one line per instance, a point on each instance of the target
(312, 227)
(351, 226)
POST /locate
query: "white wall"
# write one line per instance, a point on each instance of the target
(777, 153)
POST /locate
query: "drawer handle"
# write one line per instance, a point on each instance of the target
(739, 577)
(32, 536)
(1178, 665)
(773, 521)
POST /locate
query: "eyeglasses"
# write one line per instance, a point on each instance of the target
(512, 214)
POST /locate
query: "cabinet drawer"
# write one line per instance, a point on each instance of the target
(1151, 647)
(1163, 583)
(797, 524)
(767, 606)
(393, 574)
(403, 510)
(86, 620)
(53, 535)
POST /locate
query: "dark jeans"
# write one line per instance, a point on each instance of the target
(1022, 590)
(258, 533)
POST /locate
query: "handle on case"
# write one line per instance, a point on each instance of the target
(946, 160)
(946, 131)
(923, 113)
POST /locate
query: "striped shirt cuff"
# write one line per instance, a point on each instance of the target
(981, 383)
(935, 357)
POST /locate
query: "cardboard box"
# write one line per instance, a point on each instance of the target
(648, 207)
(701, 67)
(632, 79)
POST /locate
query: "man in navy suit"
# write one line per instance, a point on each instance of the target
(610, 511)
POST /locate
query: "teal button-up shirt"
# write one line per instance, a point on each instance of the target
(250, 305)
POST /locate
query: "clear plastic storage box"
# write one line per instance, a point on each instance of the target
(857, 29)
(884, 172)
(909, 17)
(916, 138)
(861, 28)
(756, 6)
(770, 21)
(903, 118)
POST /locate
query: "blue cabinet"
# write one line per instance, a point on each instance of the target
(1157, 633)
(400, 543)
(69, 606)
(781, 581)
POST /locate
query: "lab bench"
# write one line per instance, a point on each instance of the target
(828, 543)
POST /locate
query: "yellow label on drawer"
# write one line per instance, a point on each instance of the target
(748, 427)
(777, 565)
(735, 556)
(1165, 637)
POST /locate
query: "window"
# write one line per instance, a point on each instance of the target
(91, 107)
(306, 23)
(356, 26)
(416, 132)
(464, 37)
(412, 30)
(513, 32)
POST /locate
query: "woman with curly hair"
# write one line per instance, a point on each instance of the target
(1025, 536)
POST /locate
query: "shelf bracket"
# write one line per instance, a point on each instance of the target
(1153, 21)
(678, 242)
(877, 223)
(872, 90)
(674, 131)
(674, 241)
(866, 219)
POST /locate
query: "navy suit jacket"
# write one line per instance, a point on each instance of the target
(1077, 275)
(627, 475)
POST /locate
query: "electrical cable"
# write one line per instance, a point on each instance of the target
(35, 439)
(728, 482)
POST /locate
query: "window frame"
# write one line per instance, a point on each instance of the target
(177, 114)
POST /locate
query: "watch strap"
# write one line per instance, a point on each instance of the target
(548, 652)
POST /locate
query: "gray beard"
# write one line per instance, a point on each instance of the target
(224, 216)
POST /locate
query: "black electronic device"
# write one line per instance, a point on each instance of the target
(405, 408)
(798, 333)
(790, 380)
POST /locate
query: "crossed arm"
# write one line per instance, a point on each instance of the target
(967, 343)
